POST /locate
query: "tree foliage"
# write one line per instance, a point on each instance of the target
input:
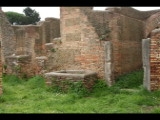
(32, 15)
(16, 18)
(29, 17)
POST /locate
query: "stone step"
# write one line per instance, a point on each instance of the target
(49, 46)
(130, 90)
(41, 58)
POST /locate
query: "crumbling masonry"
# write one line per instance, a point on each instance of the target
(108, 42)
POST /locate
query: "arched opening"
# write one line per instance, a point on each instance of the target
(151, 23)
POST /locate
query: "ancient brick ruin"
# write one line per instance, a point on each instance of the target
(155, 60)
(107, 42)
(151, 60)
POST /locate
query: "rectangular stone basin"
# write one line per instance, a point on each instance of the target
(58, 77)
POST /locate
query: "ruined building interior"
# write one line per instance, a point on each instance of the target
(108, 43)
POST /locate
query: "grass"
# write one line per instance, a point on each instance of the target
(33, 96)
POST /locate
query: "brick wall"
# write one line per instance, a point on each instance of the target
(126, 36)
(154, 60)
(81, 47)
(152, 31)
(26, 39)
(30, 40)
(107, 42)
(81, 31)
(133, 13)
(53, 29)
(7, 38)
(151, 23)
(99, 20)
(125, 27)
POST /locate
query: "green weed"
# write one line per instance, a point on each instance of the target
(33, 96)
(131, 80)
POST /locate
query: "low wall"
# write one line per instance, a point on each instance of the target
(59, 78)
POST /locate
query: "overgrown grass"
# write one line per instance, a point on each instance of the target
(33, 96)
(131, 80)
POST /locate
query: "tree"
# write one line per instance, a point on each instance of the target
(32, 15)
(16, 18)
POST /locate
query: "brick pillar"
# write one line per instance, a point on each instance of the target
(155, 60)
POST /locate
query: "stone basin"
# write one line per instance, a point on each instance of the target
(86, 76)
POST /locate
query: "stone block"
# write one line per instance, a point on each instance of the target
(86, 76)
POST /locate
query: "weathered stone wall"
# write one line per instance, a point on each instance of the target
(155, 60)
(50, 29)
(126, 36)
(80, 47)
(27, 42)
(20, 65)
(151, 23)
(99, 20)
(131, 12)
(7, 40)
(7, 37)
(123, 27)
(151, 66)
(107, 42)
(151, 58)
(61, 78)
(53, 29)
(30, 41)
(26, 38)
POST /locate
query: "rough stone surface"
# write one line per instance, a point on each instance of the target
(19, 65)
(88, 78)
(146, 62)
(108, 63)
(7, 38)
(154, 62)
(107, 42)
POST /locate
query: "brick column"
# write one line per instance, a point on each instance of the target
(155, 60)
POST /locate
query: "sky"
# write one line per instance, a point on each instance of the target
(45, 12)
